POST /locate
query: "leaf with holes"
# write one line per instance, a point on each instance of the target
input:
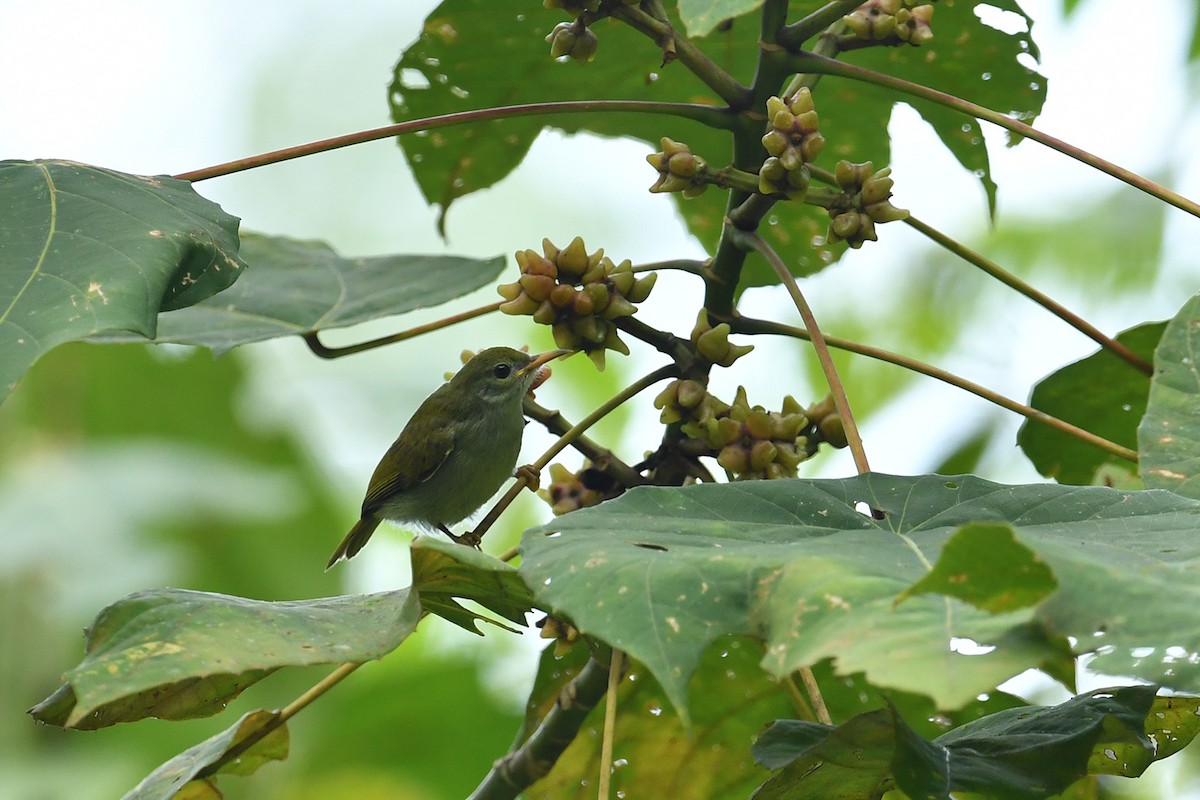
(662, 572)
(85, 250)
(295, 287)
(178, 654)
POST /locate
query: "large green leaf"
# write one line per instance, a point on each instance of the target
(85, 250)
(295, 287)
(966, 59)
(180, 654)
(660, 756)
(1020, 754)
(1169, 436)
(700, 17)
(661, 572)
(470, 56)
(1102, 394)
(445, 572)
(171, 777)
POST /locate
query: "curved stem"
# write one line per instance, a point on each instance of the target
(665, 36)
(525, 765)
(796, 34)
(750, 325)
(840, 401)
(555, 422)
(1046, 302)
(691, 265)
(662, 373)
(812, 63)
(314, 342)
(707, 115)
(290, 710)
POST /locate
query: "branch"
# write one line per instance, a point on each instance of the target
(796, 34)
(737, 96)
(314, 342)
(601, 457)
(290, 710)
(530, 762)
(816, 64)
(662, 373)
(739, 324)
(836, 388)
(1012, 281)
(704, 114)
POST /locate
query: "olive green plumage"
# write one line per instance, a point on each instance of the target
(456, 450)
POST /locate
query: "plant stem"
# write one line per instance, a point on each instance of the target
(740, 324)
(814, 693)
(604, 781)
(314, 342)
(668, 371)
(600, 456)
(836, 388)
(736, 95)
(691, 265)
(290, 710)
(1051, 305)
(796, 34)
(812, 63)
(525, 765)
(704, 114)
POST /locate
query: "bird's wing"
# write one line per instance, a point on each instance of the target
(407, 464)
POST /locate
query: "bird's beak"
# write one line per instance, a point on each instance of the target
(541, 373)
(542, 358)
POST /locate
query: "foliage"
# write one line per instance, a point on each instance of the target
(873, 617)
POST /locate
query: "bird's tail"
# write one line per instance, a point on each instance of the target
(355, 539)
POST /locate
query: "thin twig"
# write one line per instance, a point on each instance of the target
(314, 342)
(814, 693)
(1012, 281)
(836, 388)
(812, 63)
(553, 421)
(525, 765)
(664, 35)
(290, 710)
(751, 325)
(604, 781)
(605, 408)
(796, 34)
(705, 114)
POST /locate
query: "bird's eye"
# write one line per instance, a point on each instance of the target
(502, 370)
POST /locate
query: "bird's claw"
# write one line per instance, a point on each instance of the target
(533, 478)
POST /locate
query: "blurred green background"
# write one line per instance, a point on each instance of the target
(130, 467)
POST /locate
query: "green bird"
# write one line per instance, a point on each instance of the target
(456, 451)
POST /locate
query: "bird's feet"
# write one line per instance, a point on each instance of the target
(468, 539)
(533, 478)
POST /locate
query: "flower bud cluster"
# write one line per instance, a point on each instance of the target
(679, 169)
(712, 342)
(891, 22)
(793, 141)
(750, 443)
(864, 201)
(578, 294)
(567, 491)
(571, 39)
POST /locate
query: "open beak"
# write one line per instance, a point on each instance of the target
(537, 366)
